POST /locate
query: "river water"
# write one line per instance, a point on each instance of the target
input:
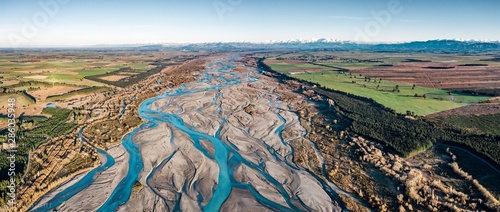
(81, 184)
(226, 155)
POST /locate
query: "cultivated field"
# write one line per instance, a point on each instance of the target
(36, 78)
(24, 104)
(295, 66)
(68, 67)
(419, 84)
(438, 75)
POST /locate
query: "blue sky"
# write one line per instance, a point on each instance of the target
(80, 23)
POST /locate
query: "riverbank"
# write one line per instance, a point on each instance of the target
(101, 187)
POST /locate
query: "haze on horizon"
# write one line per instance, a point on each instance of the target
(82, 23)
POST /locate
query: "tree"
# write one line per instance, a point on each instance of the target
(396, 89)
(413, 87)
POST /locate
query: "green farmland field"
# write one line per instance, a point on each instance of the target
(385, 92)
(296, 67)
(435, 100)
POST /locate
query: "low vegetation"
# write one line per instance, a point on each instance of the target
(32, 132)
(486, 124)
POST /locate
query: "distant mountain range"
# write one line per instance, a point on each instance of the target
(325, 44)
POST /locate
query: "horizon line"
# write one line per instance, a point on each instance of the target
(167, 44)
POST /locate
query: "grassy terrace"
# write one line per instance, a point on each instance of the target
(398, 96)
(405, 100)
